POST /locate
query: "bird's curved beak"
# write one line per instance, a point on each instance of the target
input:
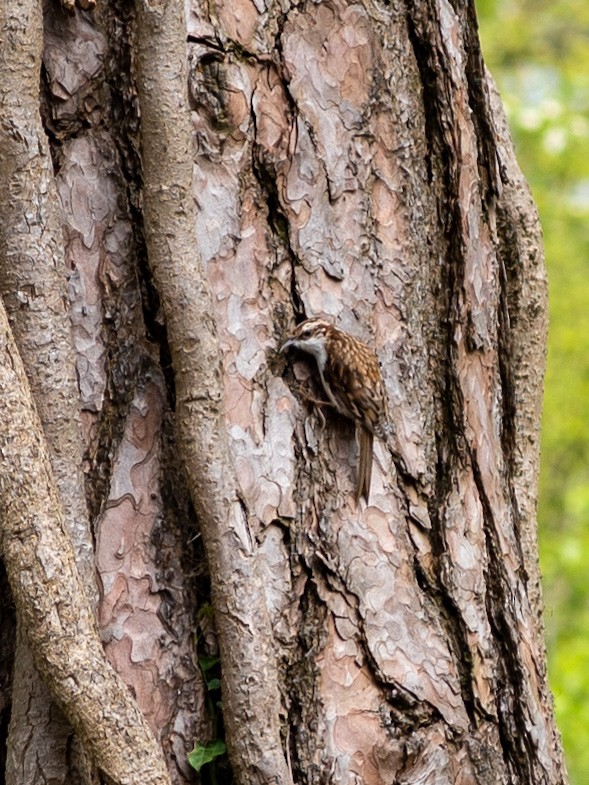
(286, 345)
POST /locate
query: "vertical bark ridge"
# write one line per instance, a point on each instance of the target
(477, 348)
(34, 288)
(251, 697)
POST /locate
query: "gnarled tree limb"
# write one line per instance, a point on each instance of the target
(51, 603)
(250, 689)
(33, 285)
(37, 537)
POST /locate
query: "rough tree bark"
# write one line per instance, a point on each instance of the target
(184, 183)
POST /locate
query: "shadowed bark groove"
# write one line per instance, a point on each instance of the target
(526, 295)
(251, 700)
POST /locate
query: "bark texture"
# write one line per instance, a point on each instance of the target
(252, 706)
(346, 159)
(349, 166)
(34, 287)
(33, 284)
(51, 603)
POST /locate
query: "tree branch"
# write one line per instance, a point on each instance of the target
(251, 697)
(51, 603)
(36, 535)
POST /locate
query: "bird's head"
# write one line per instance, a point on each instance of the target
(310, 337)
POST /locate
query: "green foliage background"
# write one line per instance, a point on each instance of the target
(538, 52)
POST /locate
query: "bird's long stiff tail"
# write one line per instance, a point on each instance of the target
(365, 438)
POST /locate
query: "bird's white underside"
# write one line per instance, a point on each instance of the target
(316, 347)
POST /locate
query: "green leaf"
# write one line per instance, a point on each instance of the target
(205, 753)
(205, 611)
(206, 662)
(213, 684)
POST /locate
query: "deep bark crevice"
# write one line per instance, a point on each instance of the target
(478, 97)
(120, 75)
(512, 684)
(451, 443)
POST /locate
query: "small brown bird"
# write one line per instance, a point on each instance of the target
(350, 374)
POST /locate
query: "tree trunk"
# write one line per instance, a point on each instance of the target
(183, 206)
